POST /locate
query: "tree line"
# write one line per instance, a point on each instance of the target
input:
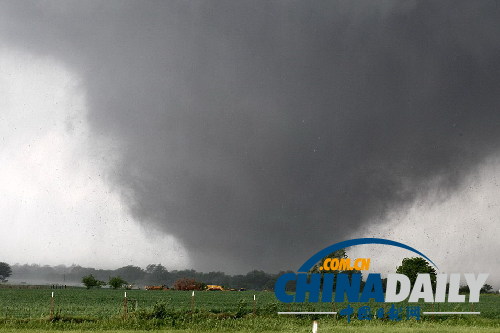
(153, 274)
(157, 274)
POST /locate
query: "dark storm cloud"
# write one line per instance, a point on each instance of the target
(259, 132)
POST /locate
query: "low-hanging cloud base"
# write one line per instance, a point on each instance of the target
(256, 133)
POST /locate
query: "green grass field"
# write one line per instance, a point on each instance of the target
(103, 309)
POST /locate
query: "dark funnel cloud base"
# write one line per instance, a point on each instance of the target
(259, 132)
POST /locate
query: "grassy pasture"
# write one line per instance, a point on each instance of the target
(102, 309)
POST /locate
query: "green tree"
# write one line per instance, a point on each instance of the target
(130, 273)
(339, 254)
(412, 266)
(5, 271)
(156, 274)
(486, 288)
(90, 281)
(117, 282)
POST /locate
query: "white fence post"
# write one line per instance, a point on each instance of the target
(315, 327)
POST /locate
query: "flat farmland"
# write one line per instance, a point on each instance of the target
(104, 309)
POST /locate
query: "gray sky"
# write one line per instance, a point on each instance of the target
(232, 135)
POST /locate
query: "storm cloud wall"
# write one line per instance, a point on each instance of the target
(259, 132)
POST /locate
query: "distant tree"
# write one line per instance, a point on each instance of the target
(155, 269)
(188, 284)
(339, 254)
(5, 271)
(271, 282)
(218, 278)
(130, 273)
(257, 280)
(157, 274)
(117, 282)
(412, 266)
(486, 289)
(462, 289)
(90, 281)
